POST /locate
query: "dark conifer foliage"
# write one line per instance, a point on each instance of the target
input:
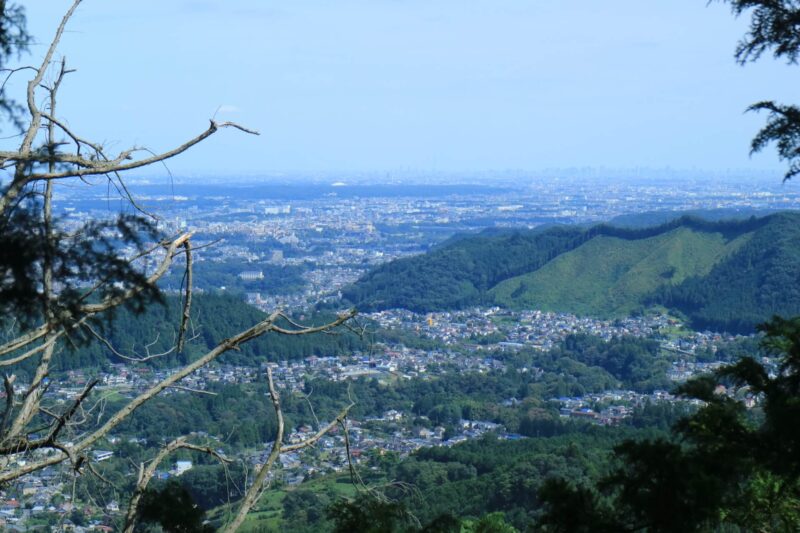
(173, 509)
(775, 27)
(80, 259)
(14, 41)
(724, 466)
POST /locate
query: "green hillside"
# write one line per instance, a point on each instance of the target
(759, 280)
(725, 275)
(610, 275)
(458, 273)
(215, 317)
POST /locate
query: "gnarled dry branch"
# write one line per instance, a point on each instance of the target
(255, 490)
(231, 343)
(146, 474)
(50, 151)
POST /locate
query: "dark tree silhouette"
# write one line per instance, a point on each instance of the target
(774, 27)
(725, 465)
(14, 41)
(59, 284)
(173, 508)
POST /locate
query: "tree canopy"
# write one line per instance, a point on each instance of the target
(14, 41)
(726, 465)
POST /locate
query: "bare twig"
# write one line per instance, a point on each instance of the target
(187, 303)
(254, 491)
(116, 300)
(225, 346)
(349, 456)
(146, 474)
(131, 358)
(51, 440)
(196, 391)
(307, 398)
(98, 475)
(319, 434)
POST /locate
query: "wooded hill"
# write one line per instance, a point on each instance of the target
(215, 317)
(724, 275)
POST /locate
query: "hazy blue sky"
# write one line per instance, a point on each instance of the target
(444, 85)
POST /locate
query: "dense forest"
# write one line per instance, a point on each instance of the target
(458, 273)
(467, 481)
(215, 317)
(726, 275)
(756, 282)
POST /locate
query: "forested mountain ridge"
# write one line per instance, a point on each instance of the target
(729, 274)
(459, 273)
(215, 317)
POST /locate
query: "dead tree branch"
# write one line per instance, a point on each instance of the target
(51, 440)
(33, 351)
(94, 167)
(232, 343)
(187, 303)
(146, 474)
(132, 358)
(21, 177)
(255, 490)
(8, 384)
(50, 151)
(88, 310)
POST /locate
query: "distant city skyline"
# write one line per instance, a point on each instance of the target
(393, 85)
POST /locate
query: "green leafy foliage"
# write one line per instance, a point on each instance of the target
(726, 467)
(212, 275)
(214, 485)
(486, 484)
(754, 283)
(238, 414)
(611, 276)
(633, 361)
(370, 515)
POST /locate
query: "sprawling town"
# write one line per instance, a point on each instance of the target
(281, 248)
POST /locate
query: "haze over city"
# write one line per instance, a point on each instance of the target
(430, 86)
